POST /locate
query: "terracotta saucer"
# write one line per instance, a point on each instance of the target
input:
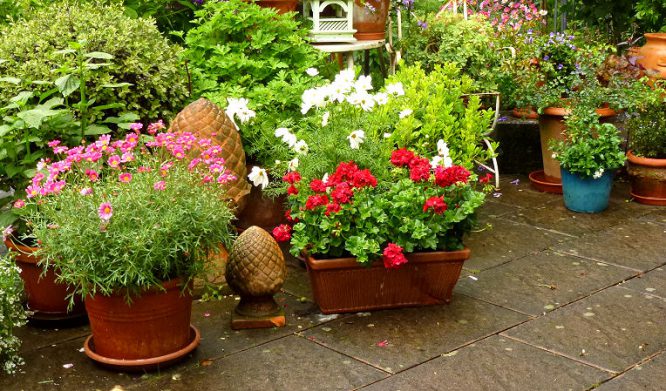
(539, 181)
(146, 364)
(655, 201)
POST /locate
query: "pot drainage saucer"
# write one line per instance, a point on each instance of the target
(541, 183)
(145, 364)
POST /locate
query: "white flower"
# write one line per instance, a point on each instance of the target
(388, 135)
(293, 164)
(337, 91)
(86, 191)
(364, 83)
(543, 12)
(301, 147)
(289, 139)
(362, 99)
(259, 177)
(314, 97)
(356, 138)
(345, 76)
(280, 132)
(436, 161)
(442, 148)
(598, 173)
(381, 98)
(324, 119)
(237, 108)
(448, 162)
(395, 89)
(554, 155)
(312, 72)
(325, 178)
(405, 113)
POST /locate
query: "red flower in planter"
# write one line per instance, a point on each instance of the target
(316, 200)
(318, 186)
(332, 208)
(282, 232)
(342, 194)
(437, 204)
(364, 178)
(486, 178)
(287, 215)
(292, 190)
(445, 177)
(402, 157)
(292, 177)
(419, 169)
(393, 256)
(343, 173)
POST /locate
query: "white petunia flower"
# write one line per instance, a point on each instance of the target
(293, 164)
(356, 138)
(442, 148)
(312, 72)
(405, 113)
(258, 177)
(381, 98)
(395, 89)
(325, 178)
(364, 83)
(388, 135)
(324, 119)
(598, 174)
(301, 147)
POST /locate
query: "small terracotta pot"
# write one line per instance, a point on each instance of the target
(370, 25)
(552, 127)
(652, 55)
(282, 6)
(648, 179)
(155, 324)
(525, 112)
(46, 298)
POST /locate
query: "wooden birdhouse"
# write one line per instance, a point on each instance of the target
(332, 20)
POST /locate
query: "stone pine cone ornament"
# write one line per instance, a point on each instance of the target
(204, 118)
(256, 271)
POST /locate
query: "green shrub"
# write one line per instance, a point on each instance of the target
(12, 314)
(142, 56)
(647, 132)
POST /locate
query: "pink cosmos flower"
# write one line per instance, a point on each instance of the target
(7, 232)
(53, 143)
(143, 169)
(92, 175)
(226, 178)
(18, 204)
(193, 163)
(155, 127)
(33, 191)
(105, 211)
(37, 179)
(160, 186)
(136, 126)
(86, 191)
(114, 161)
(125, 177)
(178, 152)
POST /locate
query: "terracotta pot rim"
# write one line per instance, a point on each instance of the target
(645, 161)
(525, 112)
(167, 285)
(655, 35)
(23, 249)
(562, 112)
(416, 257)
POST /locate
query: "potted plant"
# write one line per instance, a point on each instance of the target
(588, 157)
(129, 224)
(647, 150)
(12, 315)
(370, 19)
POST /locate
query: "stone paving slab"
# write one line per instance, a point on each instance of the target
(395, 340)
(658, 215)
(291, 363)
(495, 363)
(635, 244)
(506, 241)
(521, 193)
(649, 376)
(539, 283)
(650, 283)
(613, 329)
(35, 337)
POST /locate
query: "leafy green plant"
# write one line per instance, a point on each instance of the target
(590, 148)
(12, 314)
(142, 57)
(646, 126)
(130, 213)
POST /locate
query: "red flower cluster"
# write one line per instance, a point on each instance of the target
(318, 186)
(486, 178)
(445, 177)
(402, 157)
(316, 200)
(363, 178)
(287, 216)
(282, 232)
(419, 169)
(393, 256)
(437, 204)
(342, 193)
(292, 177)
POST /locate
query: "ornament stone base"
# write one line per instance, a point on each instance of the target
(240, 322)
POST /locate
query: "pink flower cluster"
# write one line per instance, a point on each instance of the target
(504, 14)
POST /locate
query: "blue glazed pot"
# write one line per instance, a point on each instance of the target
(586, 194)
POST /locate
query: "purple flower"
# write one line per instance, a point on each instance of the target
(502, 119)
(408, 3)
(422, 24)
(198, 2)
(559, 67)
(546, 57)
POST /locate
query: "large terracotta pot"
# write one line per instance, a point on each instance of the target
(343, 285)
(282, 6)
(648, 179)
(552, 127)
(262, 211)
(652, 55)
(370, 19)
(46, 298)
(155, 324)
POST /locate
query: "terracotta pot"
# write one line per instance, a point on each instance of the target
(262, 211)
(652, 55)
(343, 285)
(525, 112)
(282, 6)
(648, 179)
(46, 298)
(370, 25)
(552, 127)
(155, 324)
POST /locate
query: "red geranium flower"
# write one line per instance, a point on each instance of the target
(344, 172)
(287, 215)
(318, 186)
(292, 190)
(393, 256)
(342, 193)
(292, 177)
(445, 177)
(419, 169)
(486, 178)
(402, 157)
(364, 178)
(316, 200)
(332, 208)
(282, 232)
(436, 203)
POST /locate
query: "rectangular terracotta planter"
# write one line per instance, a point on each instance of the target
(343, 285)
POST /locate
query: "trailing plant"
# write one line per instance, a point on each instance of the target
(131, 213)
(30, 50)
(591, 148)
(12, 314)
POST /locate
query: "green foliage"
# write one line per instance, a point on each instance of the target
(31, 49)
(590, 147)
(12, 314)
(651, 15)
(647, 126)
(171, 16)
(470, 44)
(152, 234)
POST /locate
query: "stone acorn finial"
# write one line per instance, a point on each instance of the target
(256, 271)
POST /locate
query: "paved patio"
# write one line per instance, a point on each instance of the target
(551, 300)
